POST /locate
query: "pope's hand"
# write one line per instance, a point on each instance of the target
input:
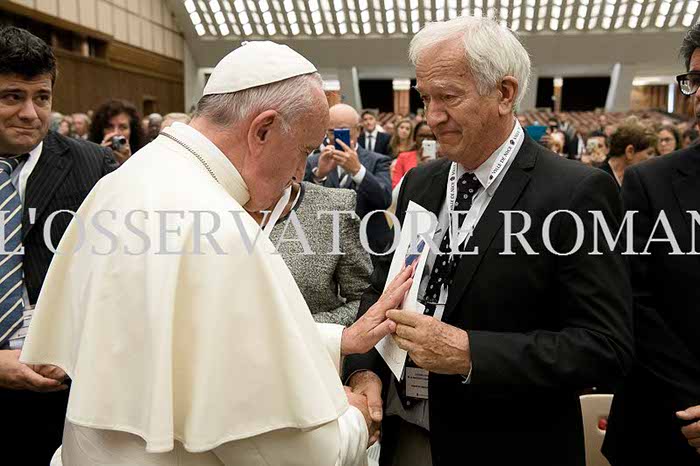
(360, 402)
(691, 431)
(373, 325)
(18, 376)
(367, 384)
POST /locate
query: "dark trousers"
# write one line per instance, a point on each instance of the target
(32, 425)
(404, 444)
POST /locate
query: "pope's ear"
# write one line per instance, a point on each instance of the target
(262, 125)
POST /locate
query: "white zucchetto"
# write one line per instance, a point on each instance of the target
(256, 64)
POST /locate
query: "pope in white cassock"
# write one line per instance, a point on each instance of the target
(185, 344)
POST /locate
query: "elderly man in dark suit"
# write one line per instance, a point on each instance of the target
(505, 337)
(358, 169)
(41, 172)
(644, 426)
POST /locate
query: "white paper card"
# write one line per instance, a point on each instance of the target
(418, 223)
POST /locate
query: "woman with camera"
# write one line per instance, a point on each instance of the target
(117, 125)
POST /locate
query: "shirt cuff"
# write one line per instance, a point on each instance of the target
(316, 179)
(332, 335)
(360, 175)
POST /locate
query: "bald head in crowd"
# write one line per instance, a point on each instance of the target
(346, 117)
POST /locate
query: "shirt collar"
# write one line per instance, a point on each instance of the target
(373, 133)
(36, 152)
(484, 170)
(226, 173)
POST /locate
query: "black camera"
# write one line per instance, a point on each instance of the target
(118, 142)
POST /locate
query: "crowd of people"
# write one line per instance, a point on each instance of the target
(116, 124)
(224, 352)
(571, 135)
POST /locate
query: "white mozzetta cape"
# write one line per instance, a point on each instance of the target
(200, 348)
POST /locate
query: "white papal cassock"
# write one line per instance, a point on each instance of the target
(203, 359)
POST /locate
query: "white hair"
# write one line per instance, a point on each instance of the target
(291, 98)
(492, 51)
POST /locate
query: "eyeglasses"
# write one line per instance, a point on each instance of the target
(689, 82)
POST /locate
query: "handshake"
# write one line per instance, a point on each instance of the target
(360, 337)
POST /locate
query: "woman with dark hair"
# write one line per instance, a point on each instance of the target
(669, 140)
(407, 160)
(117, 125)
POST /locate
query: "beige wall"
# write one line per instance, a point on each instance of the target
(147, 24)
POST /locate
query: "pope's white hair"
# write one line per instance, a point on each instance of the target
(492, 51)
(292, 98)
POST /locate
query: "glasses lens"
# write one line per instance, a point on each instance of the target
(689, 83)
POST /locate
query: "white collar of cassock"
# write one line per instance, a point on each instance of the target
(225, 172)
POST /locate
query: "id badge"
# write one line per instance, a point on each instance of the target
(417, 383)
(17, 339)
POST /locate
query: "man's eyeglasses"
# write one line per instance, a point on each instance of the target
(689, 82)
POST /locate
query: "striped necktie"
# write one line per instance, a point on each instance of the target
(11, 275)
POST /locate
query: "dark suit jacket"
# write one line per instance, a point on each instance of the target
(540, 327)
(381, 145)
(608, 169)
(65, 173)
(374, 193)
(643, 428)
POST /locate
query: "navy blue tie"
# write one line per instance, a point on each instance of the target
(445, 265)
(11, 275)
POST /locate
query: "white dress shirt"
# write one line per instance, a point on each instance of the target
(373, 134)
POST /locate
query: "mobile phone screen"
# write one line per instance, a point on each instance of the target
(341, 134)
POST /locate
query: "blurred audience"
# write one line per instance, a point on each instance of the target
(155, 121)
(81, 126)
(372, 138)
(402, 140)
(389, 127)
(64, 127)
(407, 160)
(630, 144)
(117, 125)
(690, 137)
(669, 140)
(597, 149)
(170, 118)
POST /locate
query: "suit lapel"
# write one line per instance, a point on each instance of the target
(431, 195)
(48, 174)
(686, 187)
(507, 194)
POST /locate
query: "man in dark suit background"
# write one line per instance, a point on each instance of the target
(506, 341)
(355, 168)
(643, 426)
(371, 138)
(49, 172)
